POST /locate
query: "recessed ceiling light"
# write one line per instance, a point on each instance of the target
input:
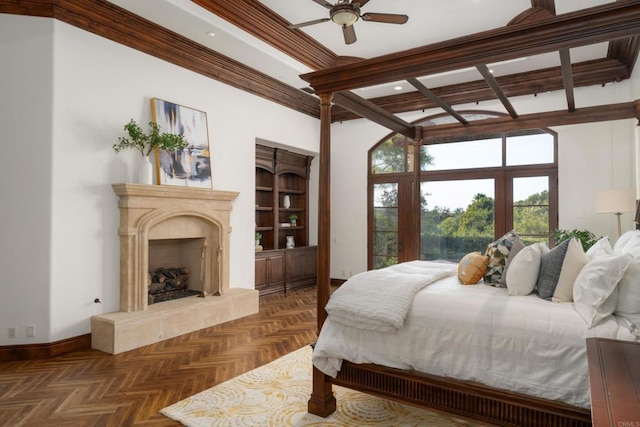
(211, 34)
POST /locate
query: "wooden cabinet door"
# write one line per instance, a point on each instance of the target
(262, 278)
(276, 270)
(301, 267)
(269, 272)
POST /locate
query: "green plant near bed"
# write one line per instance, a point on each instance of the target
(585, 237)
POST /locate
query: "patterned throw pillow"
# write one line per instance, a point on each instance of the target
(498, 253)
(472, 267)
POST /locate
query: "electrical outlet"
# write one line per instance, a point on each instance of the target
(12, 332)
(31, 331)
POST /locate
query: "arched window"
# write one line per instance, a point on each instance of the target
(459, 194)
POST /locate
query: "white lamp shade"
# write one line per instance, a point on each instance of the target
(616, 201)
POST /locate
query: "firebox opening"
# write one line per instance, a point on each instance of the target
(176, 268)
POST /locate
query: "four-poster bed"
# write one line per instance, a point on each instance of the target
(528, 36)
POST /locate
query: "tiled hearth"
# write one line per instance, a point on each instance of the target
(151, 213)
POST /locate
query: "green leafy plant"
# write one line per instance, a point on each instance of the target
(146, 142)
(258, 236)
(585, 237)
(293, 217)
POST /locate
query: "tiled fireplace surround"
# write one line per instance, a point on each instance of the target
(150, 213)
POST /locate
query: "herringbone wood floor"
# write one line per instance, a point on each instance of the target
(91, 388)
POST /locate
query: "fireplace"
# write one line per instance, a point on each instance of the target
(171, 227)
(176, 269)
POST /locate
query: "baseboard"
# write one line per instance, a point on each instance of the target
(337, 282)
(12, 353)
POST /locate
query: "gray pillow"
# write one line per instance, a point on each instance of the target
(550, 268)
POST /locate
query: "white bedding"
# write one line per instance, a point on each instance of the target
(381, 299)
(479, 333)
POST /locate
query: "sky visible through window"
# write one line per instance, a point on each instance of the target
(529, 149)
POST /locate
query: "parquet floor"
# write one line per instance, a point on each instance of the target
(91, 388)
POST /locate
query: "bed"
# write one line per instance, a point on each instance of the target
(474, 351)
(464, 397)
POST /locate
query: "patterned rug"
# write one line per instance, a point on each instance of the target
(276, 395)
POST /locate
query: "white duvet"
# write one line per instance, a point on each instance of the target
(479, 333)
(380, 299)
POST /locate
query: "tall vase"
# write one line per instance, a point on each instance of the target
(290, 242)
(286, 202)
(145, 171)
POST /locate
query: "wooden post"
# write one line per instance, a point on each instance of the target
(322, 401)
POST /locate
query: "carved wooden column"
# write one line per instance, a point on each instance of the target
(322, 401)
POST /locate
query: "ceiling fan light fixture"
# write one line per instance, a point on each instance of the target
(345, 14)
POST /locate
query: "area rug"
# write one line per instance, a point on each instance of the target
(276, 395)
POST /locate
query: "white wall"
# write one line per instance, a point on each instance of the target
(25, 188)
(592, 157)
(66, 125)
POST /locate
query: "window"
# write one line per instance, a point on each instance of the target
(471, 190)
(385, 224)
(456, 217)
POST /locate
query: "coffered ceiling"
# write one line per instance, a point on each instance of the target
(258, 35)
(449, 53)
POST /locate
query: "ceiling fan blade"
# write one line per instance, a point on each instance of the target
(388, 18)
(349, 34)
(324, 3)
(306, 24)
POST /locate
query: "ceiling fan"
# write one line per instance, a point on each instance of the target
(345, 13)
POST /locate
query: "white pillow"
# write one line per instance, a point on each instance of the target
(595, 292)
(599, 248)
(522, 274)
(628, 305)
(628, 243)
(574, 260)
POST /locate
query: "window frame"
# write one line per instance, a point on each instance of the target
(409, 187)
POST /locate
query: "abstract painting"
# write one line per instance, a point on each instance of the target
(191, 166)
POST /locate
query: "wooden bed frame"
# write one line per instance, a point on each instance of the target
(460, 398)
(463, 399)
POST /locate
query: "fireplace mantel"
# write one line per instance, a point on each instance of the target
(153, 212)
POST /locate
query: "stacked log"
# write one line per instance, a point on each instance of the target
(168, 279)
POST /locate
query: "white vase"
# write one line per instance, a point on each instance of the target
(145, 171)
(290, 242)
(286, 202)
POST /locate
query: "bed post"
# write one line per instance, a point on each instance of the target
(322, 401)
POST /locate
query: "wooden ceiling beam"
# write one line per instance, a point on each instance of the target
(589, 73)
(567, 78)
(588, 26)
(43, 8)
(625, 110)
(435, 99)
(625, 50)
(495, 87)
(260, 21)
(548, 5)
(367, 110)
